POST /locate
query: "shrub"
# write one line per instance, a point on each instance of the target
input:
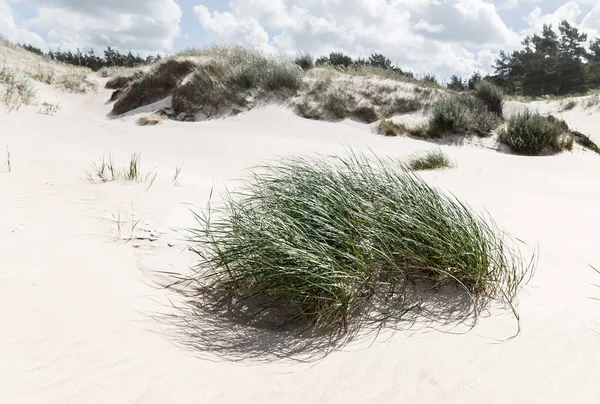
(366, 114)
(336, 104)
(462, 114)
(320, 239)
(451, 115)
(530, 133)
(491, 96)
(305, 61)
(431, 160)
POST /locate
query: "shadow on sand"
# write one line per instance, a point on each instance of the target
(211, 324)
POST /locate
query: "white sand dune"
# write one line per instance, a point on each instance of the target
(76, 299)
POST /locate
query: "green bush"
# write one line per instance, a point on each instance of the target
(319, 239)
(530, 133)
(462, 114)
(336, 104)
(491, 96)
(451, 115)
(305, 61)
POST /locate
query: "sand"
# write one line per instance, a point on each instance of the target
(76, 294)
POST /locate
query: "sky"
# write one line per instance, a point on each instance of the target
(441, 36)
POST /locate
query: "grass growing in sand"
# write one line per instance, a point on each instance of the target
(48, 108)
(322, 238)
(390, 128)
(8, 162)
(431, 160)
(177, 174)
(105, 171)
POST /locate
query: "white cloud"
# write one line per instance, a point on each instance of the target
(570, 11)
(147, 26)
(10, 30)
(422, 35)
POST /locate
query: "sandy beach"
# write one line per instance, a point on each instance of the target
(81, 311)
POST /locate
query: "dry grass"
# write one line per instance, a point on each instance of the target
(18, 88)
(64, 76)
(390, 128)
(151, 120)
(77, 81)
(48, 108)
(8, 161)
(568, 105)
(44, 74)
(331, 94)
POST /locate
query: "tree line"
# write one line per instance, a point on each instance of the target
(549, 63)
(110, 58)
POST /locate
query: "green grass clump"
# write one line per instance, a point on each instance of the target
(530, 134)
(491, 96)
(431, 160)
(320, 238)
(388, 127)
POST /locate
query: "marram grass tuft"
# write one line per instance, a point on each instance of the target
(320, 239)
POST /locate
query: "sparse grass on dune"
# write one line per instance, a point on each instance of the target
(390, 128)
(105, 170)
(319, 239)
(568, 105)
(146, 88)
(332, 95)
(8, 161)
(47, 108)
(431, 160)
(234, 76)
(18, 88)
